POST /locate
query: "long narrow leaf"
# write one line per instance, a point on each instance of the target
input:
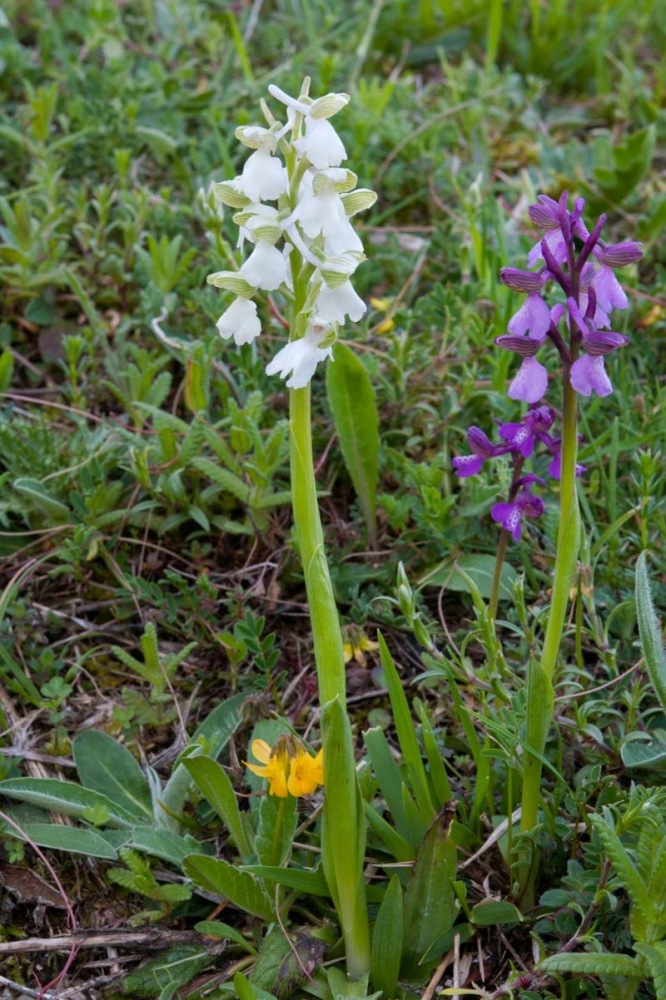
(404, 725)
(650, 633)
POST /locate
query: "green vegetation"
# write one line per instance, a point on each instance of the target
(153, 618)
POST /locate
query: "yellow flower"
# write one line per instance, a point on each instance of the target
(356, 643)
(288, 767)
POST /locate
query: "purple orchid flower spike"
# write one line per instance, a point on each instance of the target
(526, 504)
(482, 448)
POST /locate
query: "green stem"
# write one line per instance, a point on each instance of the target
(540, 674)
(326, 632)
(342, 843)
(497, 575)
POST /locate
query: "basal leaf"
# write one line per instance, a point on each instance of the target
(108, 767)
(57, 837)
(387, 940)
(68, 798)
(430, 908)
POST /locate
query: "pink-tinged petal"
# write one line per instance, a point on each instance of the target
(532, 318)
(531, 382)
(588, 375)
(556, 245)
(610, 293)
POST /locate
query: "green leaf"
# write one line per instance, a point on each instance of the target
(216, 729)
(629, 161)
(650, 632)
(310, 883)
(479, 568)
(160, 978)
(389, 779)
(218, 929)
(639, 754)
(593, 964)
(656, 959)
(239, 887)
(212, 780)
(66, 797)
(393, 842)
(42, 498)
(164, 844)
(243, 988)
(354, 410)
(229, 482)
(429, 910)
(404, 725)
(275, 832)
(492, 912)
(6, 369)
(625, 867)
(387, 940)
(107, 767)
(57, 837)
(343, 825)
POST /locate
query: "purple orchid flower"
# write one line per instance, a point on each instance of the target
(526, 504)
(523, 436)
(531, 381)
(482, 448)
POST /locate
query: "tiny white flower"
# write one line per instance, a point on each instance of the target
(333, 304)
(263, 177)
(321, 144)
(240, 321)
(266, 267)
(301, 357)
(325, 213)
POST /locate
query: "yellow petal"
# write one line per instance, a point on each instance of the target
(305, 774)
(347, 651)
(278, 782)
(260, 769)
(261, 750)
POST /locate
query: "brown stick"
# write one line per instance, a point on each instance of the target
(154, 938)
